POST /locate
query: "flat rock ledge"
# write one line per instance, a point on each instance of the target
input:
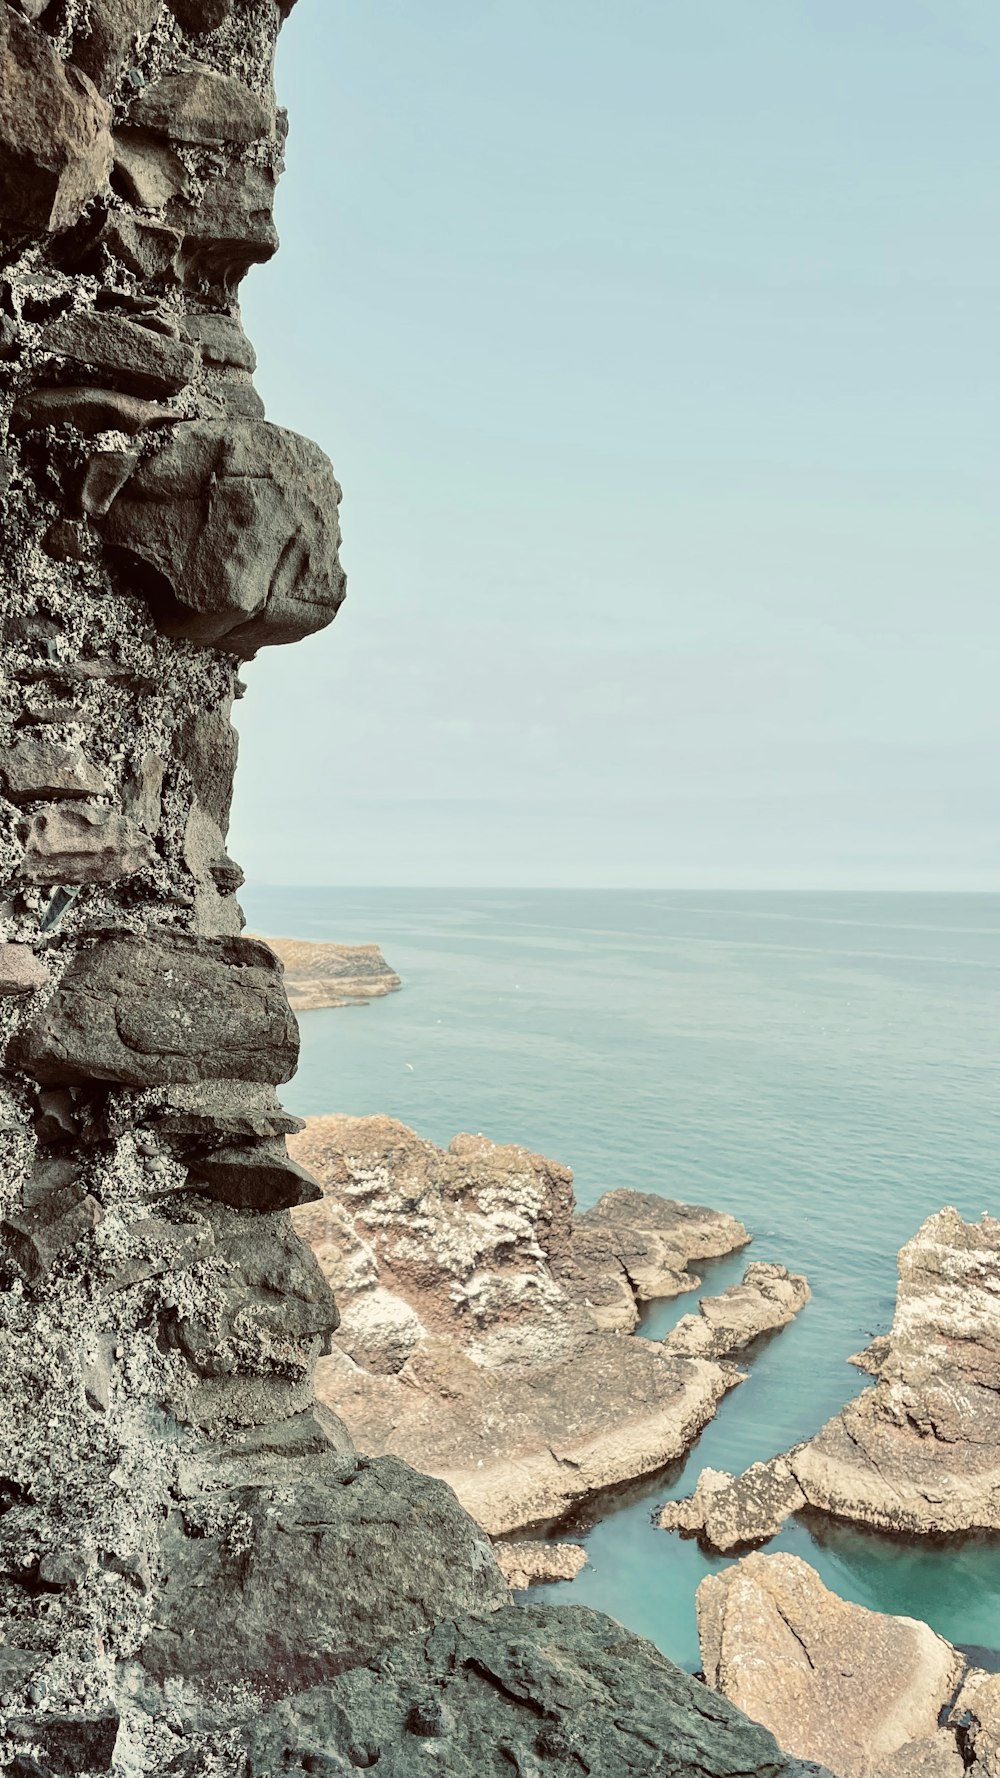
(872, 1695)
(320, 975)
(917, 1453)
(529, 1564)
(482, 1320)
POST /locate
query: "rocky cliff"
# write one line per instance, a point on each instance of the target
(184, 1535)
(318, 975)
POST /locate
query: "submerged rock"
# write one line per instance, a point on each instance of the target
(832, 1681)
(728, 1512)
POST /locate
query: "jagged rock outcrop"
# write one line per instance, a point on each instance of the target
(920, 1451)
(481, 1319)
(318, 975)
(872, 1695)
(185, 1535)
(767, 1298)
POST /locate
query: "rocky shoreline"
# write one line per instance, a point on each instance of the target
(320, 975)
(484, 1324)
(918, 1453)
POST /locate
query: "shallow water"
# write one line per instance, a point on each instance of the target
(823, 1066)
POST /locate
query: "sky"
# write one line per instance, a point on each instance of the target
(654, 345)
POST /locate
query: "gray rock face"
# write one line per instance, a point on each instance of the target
(525, 1691)
(281, 1592)
(151, 1012)
(231, 532)
(55, 140)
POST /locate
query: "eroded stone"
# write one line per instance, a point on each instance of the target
(231, 531)
(80, 843)
(55, 138)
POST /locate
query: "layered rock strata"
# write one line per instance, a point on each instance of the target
(919, 1452)
(875, 1696)
(318, 975)
(481, 1323)
(185, 1535)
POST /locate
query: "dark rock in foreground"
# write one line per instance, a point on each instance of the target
(524, 1691)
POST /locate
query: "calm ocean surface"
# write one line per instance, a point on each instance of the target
(823, 1066)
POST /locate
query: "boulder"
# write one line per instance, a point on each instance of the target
(163, 1010)
(55, 137)
(201, 15)
(231, 531)
(525, 1691)
(146, 169)
(110, 36)
(21, 972)
(769, 1297)
(253, 1176)
(83, 843)
(278, 1584)
(35, 770)
(195, 104)
(87, 408)
(832, 1681)
(128, 355)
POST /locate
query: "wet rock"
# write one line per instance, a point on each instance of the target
(131, 356)
(34, 770)
(769, 1297)
(232, 532)
(146, 170)
(70, 843)
(831, 1681)
(151, 1012)
(112, 29)
(261, 1176)
(528, 1564)
(198, 105)
(523, 1691)
(730, 1513)
(21, 972)
(55, 139)
(277, 1586)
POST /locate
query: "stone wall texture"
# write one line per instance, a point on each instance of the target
(185, 1537)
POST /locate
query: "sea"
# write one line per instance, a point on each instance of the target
(824, 1066)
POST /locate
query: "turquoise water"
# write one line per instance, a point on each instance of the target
(823, 1066)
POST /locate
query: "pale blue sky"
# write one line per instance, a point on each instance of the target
(654, 342)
